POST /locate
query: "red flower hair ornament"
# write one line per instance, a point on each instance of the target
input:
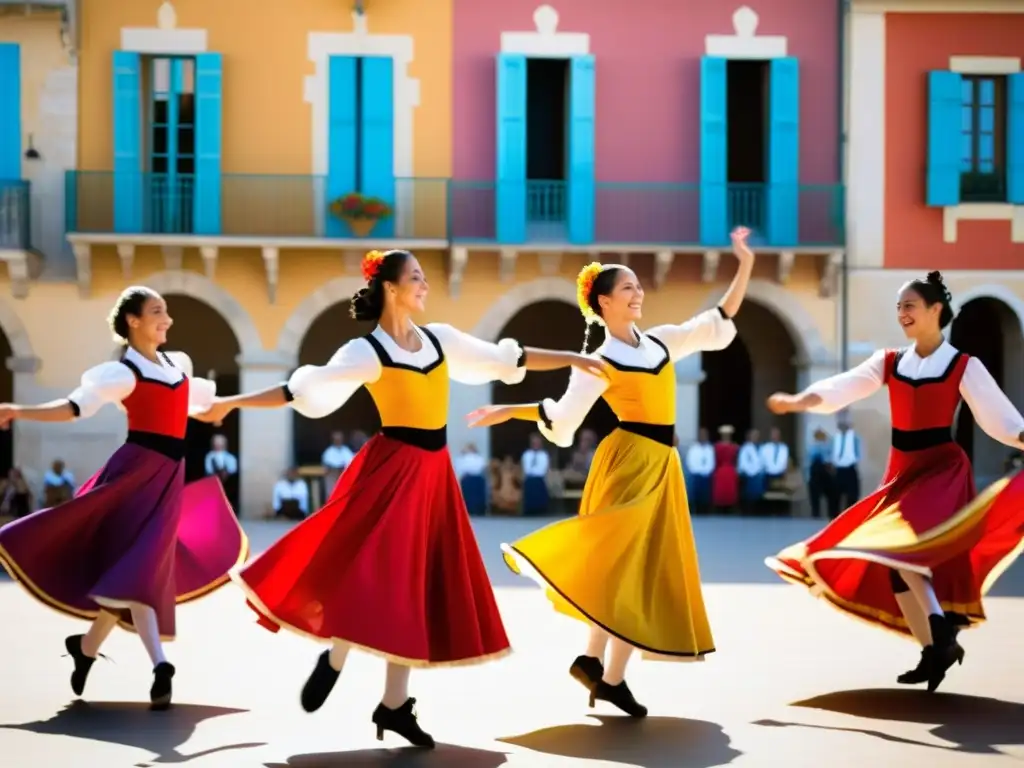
(371, 264)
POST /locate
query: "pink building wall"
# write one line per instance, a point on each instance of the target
(648, 80)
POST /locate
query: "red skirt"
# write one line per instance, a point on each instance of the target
(925, 518)
(389, 565)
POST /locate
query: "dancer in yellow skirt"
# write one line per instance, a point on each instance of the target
(627, 564)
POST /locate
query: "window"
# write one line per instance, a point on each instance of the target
(983, 139)
(170, 137)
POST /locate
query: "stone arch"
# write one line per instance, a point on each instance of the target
(810, 347)
(333, 292)
(520, 296)
(14, 330)
(1000, 293)
(202, 288)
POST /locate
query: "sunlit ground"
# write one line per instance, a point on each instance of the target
(793, 684)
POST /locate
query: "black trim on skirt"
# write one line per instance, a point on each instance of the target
(171, 447)
(427, 439)
(659, 433)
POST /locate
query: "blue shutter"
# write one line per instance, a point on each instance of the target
(581, 150)
(714, 191)
(510, 150)
(784, 152)
(945, 107)
(1015, 139)
(377, 137)
(10, 111)
(341, 136)
(127, 143)
(207, 200)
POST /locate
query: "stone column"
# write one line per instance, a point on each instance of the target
(689, 375)
(26, 434)
(265, 434)
(462, 400)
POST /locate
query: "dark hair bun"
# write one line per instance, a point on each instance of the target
(935, 278)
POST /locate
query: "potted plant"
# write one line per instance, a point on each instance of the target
(360, 212)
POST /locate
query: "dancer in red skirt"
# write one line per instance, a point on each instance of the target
(918, 554)
(390, 565)
(135, 540)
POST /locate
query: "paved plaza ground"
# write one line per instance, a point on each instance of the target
(793, 685)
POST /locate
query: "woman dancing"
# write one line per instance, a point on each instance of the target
(628, 563)
(390, 564)
(917, 555)
(134, 540)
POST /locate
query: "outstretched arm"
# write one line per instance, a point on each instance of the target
(556, 420)
(106, 383)
(475, 361)
(992, 409)
(836, 392)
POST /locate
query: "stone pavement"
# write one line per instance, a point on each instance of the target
(792, 684)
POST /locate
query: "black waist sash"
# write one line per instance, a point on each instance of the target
(659, 433)
(427, 439)
(909, 440)
(171, 447)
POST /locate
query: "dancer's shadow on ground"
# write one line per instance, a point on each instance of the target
(132, 724)
(651, 742)
(444, 756)
(972, 724)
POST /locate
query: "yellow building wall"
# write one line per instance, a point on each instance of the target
(266, 121)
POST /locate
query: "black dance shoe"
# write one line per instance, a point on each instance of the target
(83, 663)
(587, 671)
(945, 651)
(403, 722)
(160, 692)
(618, 695)
(320, 683)
(918, 674)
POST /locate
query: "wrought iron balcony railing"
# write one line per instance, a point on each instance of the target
(15, 215)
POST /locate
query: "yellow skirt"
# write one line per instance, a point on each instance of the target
(628, 562)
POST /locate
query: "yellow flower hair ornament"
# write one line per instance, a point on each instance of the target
(371, 264)
(584, 285)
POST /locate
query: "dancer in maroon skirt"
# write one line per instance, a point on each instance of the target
(917, 555)
(135, 540)
(390, 565)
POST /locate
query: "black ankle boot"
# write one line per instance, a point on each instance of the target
(403, 722)
(83, 663)
(160, 693)
(320, 684)
(945, 651)
(618, 695)
(918, 674)
(587, 671)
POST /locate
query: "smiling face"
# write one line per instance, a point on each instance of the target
(150, 326)
(914, 315)
(410, 292)
(625, 300)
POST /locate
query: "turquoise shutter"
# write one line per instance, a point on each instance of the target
(10, 111)
(1015, 139)
(341, 136)
(784, 152)
(207, 199)
(510, 191)
(945, 108)
(127, 143)
(714, 190)
(377, 136)
(581, 150)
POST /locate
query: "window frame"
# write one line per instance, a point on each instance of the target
(979, 186)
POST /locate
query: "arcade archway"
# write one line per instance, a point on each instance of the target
(739, 378)
(552, 324)
(328, 332)
(988, 329)
(201, 332)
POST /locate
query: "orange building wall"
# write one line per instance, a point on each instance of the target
(915, 44)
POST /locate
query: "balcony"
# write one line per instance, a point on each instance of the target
(272, 213)
(16, 232)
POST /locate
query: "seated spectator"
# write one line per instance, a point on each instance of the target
(58, 484)
(506, 482)
(15, 496)
(291, 496)
(470, 467)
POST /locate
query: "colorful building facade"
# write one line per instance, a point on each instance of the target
(214, 147)
(936, 181)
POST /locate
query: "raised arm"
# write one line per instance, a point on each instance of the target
(557, 420)
(707, 332)
(475, 361)
(992, 409)
(836, 392)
